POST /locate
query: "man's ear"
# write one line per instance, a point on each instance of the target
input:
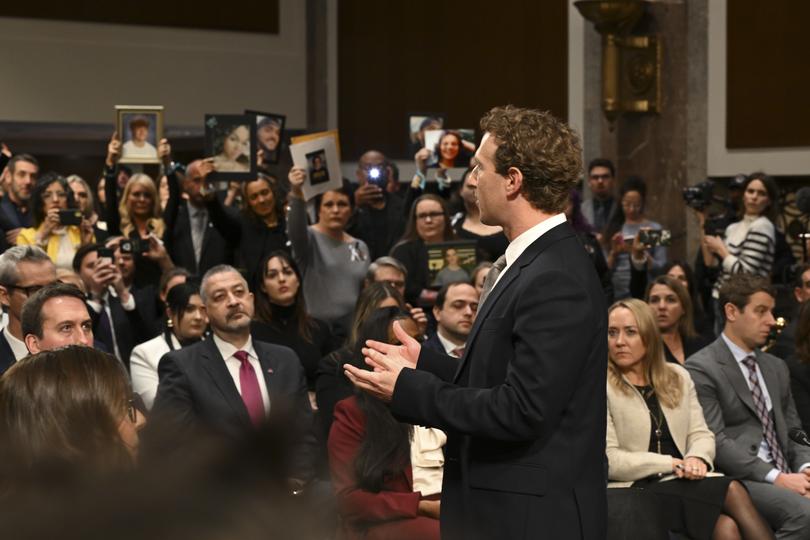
(4, 295)
(514, 182)
(32, 343)
(731, 311)
(436, 312)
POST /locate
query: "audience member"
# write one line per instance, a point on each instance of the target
(333, 262)
(281, 315)
(456, 305)
(23, 271)
(378, 215)
(21, 175)
(390, 270)
(70, 407)
(748, 245)
(601, 206)
(225, 385)
(117, 323)
(798, 362)
(785, 345)
(490, 241)
(84, 200)
(672, 309)
(655, 428)
(590, 241)
(51, 195)
(428, 223)
(56, 316)
(747, 403)
(622, 232)
(186, 322)
(369, 458)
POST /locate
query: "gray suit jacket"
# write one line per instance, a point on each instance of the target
(729, 410)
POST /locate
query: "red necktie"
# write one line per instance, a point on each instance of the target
(249, 386)
(458, 352)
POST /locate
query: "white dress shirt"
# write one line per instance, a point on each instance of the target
(233, 364)
(448, 345)
(17, 347)
(517, 246)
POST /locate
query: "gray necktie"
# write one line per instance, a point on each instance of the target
(492, 277)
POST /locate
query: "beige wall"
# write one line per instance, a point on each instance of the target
(77, 72)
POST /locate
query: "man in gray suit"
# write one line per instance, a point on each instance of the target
(747, 402)
(599, 208)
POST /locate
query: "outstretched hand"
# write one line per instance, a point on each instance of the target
(388, 361)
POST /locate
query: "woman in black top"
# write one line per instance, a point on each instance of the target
(281, 314)
(490, 242)
(672, 308)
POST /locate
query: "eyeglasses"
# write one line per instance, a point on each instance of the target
(27, 291)
(424, 216)
(395, 284)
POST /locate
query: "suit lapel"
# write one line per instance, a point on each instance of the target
(268, 366)
(735, 376)
(7, 357)
(214, 364)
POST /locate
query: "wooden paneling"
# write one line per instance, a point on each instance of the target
(458, 58)
(768, 75)
(261, 17)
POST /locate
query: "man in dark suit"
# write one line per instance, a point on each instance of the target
(227, 384)
(21, 174)
(23, 271)
(746, 399)
(456, 305)
(195, 243)
(524, 410)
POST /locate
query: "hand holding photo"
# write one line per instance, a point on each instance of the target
(140, 128)
(231, 141)
(319, 158)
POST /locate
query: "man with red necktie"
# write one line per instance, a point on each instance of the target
(456, 305)
(229, 384)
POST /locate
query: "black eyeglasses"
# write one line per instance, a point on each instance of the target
(132, 411)
(424, 216)
(27, 291)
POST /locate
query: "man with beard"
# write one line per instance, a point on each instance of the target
(228, 383)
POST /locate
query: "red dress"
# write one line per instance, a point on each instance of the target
(390, 514)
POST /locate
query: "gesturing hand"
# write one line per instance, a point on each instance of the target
(387, 361)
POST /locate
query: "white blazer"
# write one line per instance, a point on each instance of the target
(143, 366)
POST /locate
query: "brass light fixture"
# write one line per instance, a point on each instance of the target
(631, 65)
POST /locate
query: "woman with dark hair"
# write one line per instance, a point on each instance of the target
(448, 149)
(50, 195)
(281, 314)
(672, 307)
(370, 458)
(799, 365)
(748, 245)
(232, 148)
(70, 407)
(622, 234)
(333, 262)
(331, 386)
(428, 223)
(186, 322)
(585, 233)
(490, 242)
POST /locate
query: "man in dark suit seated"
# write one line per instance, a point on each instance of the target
(746, 399)
(56, 316)
(524, 409)
(226, 385)
(456, 305)
(23, 271)
(785, 345)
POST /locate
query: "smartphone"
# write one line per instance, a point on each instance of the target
(70, 216)
(134, 245)
(654, 238)
(105, 253)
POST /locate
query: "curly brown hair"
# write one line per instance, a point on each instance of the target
(546, 151)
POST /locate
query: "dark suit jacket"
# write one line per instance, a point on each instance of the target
(215, 249)
(197, 390)
(129, 327)
(433, 343)
(800, 386)
(524, 410)
(7, 357)
(729, 410)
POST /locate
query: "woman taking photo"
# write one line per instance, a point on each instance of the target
(50, 195)
(428, 223)
(281, 315)
(672, 308)
(656, 431)
(370, 458)
(185, 325)
(333, 262)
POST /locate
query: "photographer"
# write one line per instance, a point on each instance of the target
(59, 234)
(748, 246)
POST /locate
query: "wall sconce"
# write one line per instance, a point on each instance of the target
(631, 65)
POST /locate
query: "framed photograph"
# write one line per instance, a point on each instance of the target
(449, 262)
(450, 148)
(269, 133)
(418, 123)
(332, 134)
(230, 139)
(320, 159)
(140, 129)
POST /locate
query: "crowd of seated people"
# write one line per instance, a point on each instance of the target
(231, 314)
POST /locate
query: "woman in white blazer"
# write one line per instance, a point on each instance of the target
(186, 323)
(656, 432)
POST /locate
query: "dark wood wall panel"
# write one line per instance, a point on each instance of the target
(261, 17)
(768, 74)
(459, 58)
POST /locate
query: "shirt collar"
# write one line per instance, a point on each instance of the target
(738, 354)
(17, 347)
(448, 345)
(518, 245)
(226, 349)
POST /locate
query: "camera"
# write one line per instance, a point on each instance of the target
(134, 245)
(70, 216)
(377, 175)
(699, 196)
(655, 237)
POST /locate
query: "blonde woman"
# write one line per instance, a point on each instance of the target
(656, 431)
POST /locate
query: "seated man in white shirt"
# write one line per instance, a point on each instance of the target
(56, 316)
(23, 271)
(455, 309)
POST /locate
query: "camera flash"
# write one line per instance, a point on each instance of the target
(374, 173)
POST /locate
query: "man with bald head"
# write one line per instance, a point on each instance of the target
(195, 244)
(378, 217)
